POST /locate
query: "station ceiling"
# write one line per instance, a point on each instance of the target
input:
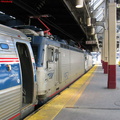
(60, 16)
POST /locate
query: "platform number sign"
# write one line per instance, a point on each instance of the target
(6, 1)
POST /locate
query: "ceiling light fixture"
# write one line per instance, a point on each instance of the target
(89, 21)
(79, 3)
(92, 31)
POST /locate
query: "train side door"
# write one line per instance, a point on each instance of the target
(86, 61)
(56, 53)
(53, 58)
(27, 73)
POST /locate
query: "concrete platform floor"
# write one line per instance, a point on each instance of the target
(87, 99)
(96, 102)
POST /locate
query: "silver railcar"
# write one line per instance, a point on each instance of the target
(17, 75)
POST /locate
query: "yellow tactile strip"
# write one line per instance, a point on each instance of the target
(67, 98)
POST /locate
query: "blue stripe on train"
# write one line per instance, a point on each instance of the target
(9, 78)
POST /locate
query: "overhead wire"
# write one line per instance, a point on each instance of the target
(34, 12)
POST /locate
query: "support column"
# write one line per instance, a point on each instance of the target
(103, 47)
(106, 51)
(112, 46)
(102, 55)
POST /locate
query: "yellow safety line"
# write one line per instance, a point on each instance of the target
(67, 98)
(80, 90)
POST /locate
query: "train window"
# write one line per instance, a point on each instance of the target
(4, 46)
(50, 54)
(35, 51)
(56, 55)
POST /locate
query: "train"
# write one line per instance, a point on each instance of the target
(34, 68)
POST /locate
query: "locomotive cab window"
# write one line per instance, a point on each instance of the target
(50, 54)
(56, 55)
(86, 57)
(35, 51)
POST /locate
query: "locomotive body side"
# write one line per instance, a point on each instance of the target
(58, 65)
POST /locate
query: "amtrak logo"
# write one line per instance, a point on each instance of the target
(50, 75)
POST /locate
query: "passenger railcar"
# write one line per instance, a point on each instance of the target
(18, 87)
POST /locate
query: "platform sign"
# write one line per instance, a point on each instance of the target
(6, 1)
(90, 42)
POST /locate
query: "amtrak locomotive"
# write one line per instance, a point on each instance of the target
(34, 70)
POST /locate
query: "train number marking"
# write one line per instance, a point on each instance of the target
(66, 75)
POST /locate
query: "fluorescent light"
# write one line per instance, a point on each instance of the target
(12, 17)
(2, 12)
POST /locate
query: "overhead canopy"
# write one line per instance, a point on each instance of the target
(62, 17)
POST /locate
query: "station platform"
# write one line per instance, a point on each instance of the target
(86, 99)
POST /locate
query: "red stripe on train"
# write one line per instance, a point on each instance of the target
(8, 58)
(11, 61)
(64, 87)
(14, 116)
